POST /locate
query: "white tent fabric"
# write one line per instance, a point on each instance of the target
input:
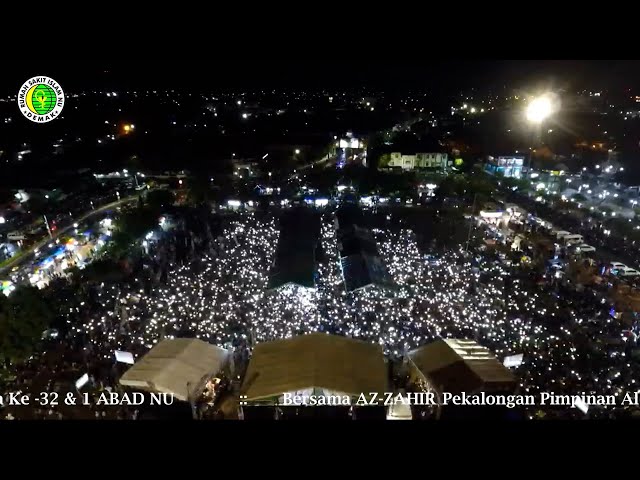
(331, 363)
(176, 366)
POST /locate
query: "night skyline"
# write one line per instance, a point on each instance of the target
(441, 76)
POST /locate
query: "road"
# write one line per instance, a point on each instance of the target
(602, 253)
(27, 254)
(324, 159)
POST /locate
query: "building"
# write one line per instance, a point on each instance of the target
(436, 161)
(245, 168)
(508, 166)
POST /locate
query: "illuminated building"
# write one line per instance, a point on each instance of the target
(439, 161)
(507, 166)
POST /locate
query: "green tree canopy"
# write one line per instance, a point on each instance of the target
(158, 199)
(24, 316)
(200, 189)
(103, 270)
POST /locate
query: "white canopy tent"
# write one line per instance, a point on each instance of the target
(176, 366)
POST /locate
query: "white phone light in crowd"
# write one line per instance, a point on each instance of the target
(513, 360)
(124, 357)
(82, 381)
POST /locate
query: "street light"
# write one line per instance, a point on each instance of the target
(297, 151)
(540, 108)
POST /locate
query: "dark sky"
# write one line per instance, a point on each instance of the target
(439, 75)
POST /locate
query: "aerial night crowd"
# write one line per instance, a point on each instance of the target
(211, 284)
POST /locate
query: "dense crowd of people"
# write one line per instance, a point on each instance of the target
(210, 282)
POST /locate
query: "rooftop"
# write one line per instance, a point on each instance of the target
(461, 366)
(330, 362)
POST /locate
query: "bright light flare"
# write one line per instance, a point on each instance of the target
(540, 108)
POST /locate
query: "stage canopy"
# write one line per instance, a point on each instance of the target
(362, 270)
(461, 366)
(328, 362)
(176, 366)
(295, 257)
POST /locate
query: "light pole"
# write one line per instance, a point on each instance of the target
(538, 110)
(473, 209)
(46, 222)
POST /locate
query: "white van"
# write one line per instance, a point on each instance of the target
(15, 236)
(628, 272)
(572, 239)
(561, 233)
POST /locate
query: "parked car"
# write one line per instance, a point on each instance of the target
(572, 239)
(628, 272)
(584, 248)
(615, 265)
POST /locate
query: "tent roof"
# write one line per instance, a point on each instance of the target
(461, 365)
(318, 360)
(362, 270)
(295, 260)
(173, 363)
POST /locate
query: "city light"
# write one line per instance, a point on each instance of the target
(297, 151)
(2, 220)
(539, 109)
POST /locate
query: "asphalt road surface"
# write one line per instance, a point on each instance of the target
(28, 253)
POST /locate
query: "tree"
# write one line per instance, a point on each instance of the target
(24, 316)
(200, 189)
(158, 199)
(130, 227)
(384, 160)
(103, 270)
(516, 184)
(37, 205)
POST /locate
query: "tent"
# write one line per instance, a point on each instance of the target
(176, 366)
(317, 361)
(456, 366)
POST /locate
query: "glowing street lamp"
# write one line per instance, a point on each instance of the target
(297, 151)
(539, 109)
(537, 112)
